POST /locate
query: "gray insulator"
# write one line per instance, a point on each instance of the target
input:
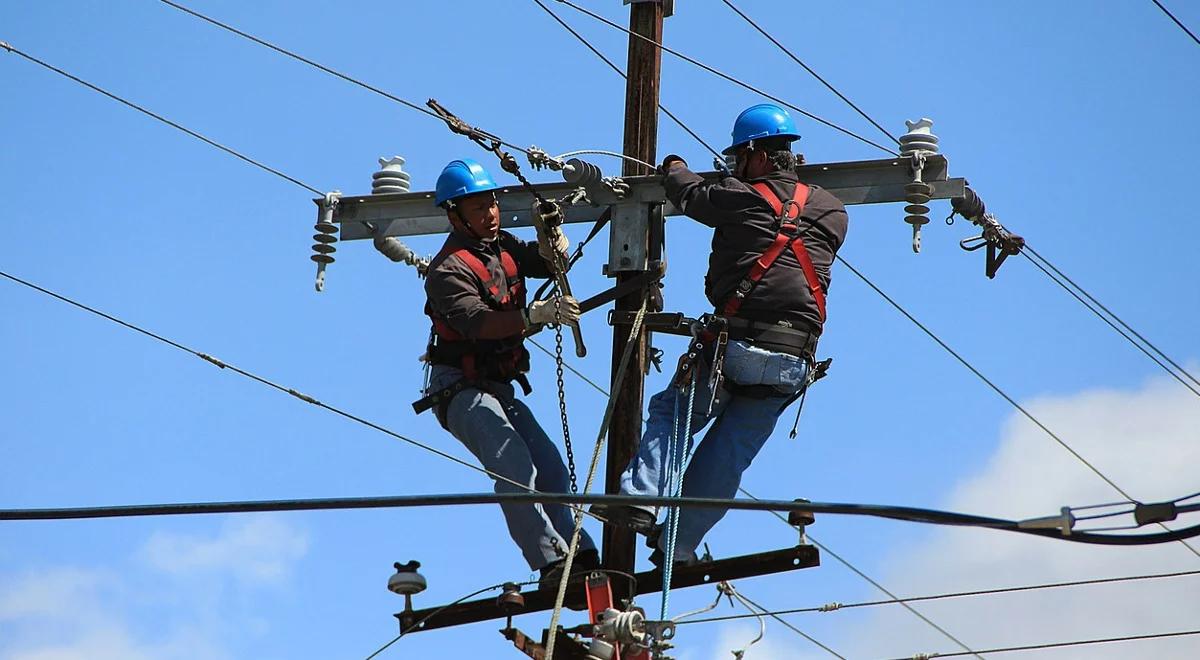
(919, 137)
(324, 239)
(391, 178)
(581, 173)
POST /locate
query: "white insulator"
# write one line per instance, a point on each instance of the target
(406, 581)
(919, 137)
(391, 178)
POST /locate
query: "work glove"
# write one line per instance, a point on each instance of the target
(669, 161)
(542, 311)
(555, 242)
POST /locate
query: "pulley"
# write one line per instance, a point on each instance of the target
(918, 144)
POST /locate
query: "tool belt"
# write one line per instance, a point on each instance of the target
(505, 366)
(775, 337)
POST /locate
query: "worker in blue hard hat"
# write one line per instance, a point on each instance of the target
(475, 289)
(774, 242)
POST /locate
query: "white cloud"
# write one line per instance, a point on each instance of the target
(259, 549)
(130, 611)
(1148, 442)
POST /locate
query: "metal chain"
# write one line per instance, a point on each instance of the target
(562, 393)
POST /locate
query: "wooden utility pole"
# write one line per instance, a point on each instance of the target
(641, 140)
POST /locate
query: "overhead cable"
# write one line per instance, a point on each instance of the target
(834, 607)
(1059, 645)
(1177, 21)
(259, 379)
(996, 388)
(316, 65)
(807, 68)
(12, 49)
(721, 74)
(621, 73)
(845, 562)
(904, 513)
(1095, 307)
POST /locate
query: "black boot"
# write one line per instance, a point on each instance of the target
(639, 520)
(585, 562)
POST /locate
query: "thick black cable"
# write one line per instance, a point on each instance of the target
(316, 65)
(17, 51)
(621, 73)
(999, 391)
(259, 379)
(903, 513)
(1058, 645)
(807, 68)
(1108, 311)
(1177, 21)
(845, 562)
(833, 607)
(721, 74)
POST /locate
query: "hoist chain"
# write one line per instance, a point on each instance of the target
(562, 395)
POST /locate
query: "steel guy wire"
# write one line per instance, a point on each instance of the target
(1028, 415)
(814, 74)
(316, 65)
(438, 611)
(17, 51)
(1106, 310)
(1177, 21)
(845, 562)
(763, 610)
(621, 73)
(721, 74)
(259, 379)
(1057, 645)
(833, 607)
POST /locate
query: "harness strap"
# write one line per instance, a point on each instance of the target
(788, 235)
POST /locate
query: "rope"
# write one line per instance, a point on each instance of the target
(675, 449)
(622, 368)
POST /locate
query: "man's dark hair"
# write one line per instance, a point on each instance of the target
(779, 152)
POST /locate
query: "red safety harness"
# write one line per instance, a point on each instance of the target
(501, 298)
(788, 234)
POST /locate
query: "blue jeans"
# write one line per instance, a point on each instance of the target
(506, 438)
(740, 427)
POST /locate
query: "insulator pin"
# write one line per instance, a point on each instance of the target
(391, 178)
(918, 144)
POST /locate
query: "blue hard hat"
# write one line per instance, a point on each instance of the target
(761, 121)
(461, 178)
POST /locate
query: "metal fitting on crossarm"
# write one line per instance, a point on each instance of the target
(918, 144)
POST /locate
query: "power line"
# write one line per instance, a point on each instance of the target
(816, 75)
(259, 379)
(845, 562)
(833, 607)
(317, 65)
(621, 73)
(12, 49)
(763, 611)
(1067, 280)
(1177, 21)
(726, 76)
(997, 390)
(1058, 645)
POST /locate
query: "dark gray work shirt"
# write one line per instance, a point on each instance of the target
(745, 226)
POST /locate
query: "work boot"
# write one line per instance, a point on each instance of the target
(639, 520)
(656, 558)
(585, 562)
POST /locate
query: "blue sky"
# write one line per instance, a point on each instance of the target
(1074, 120)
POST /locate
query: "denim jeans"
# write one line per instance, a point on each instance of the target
(740, 427)
(503, 434)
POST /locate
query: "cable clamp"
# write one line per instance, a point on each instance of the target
(6, 46)
(830, 607)
(304, 397)
(208, 358)
(1064, 522)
